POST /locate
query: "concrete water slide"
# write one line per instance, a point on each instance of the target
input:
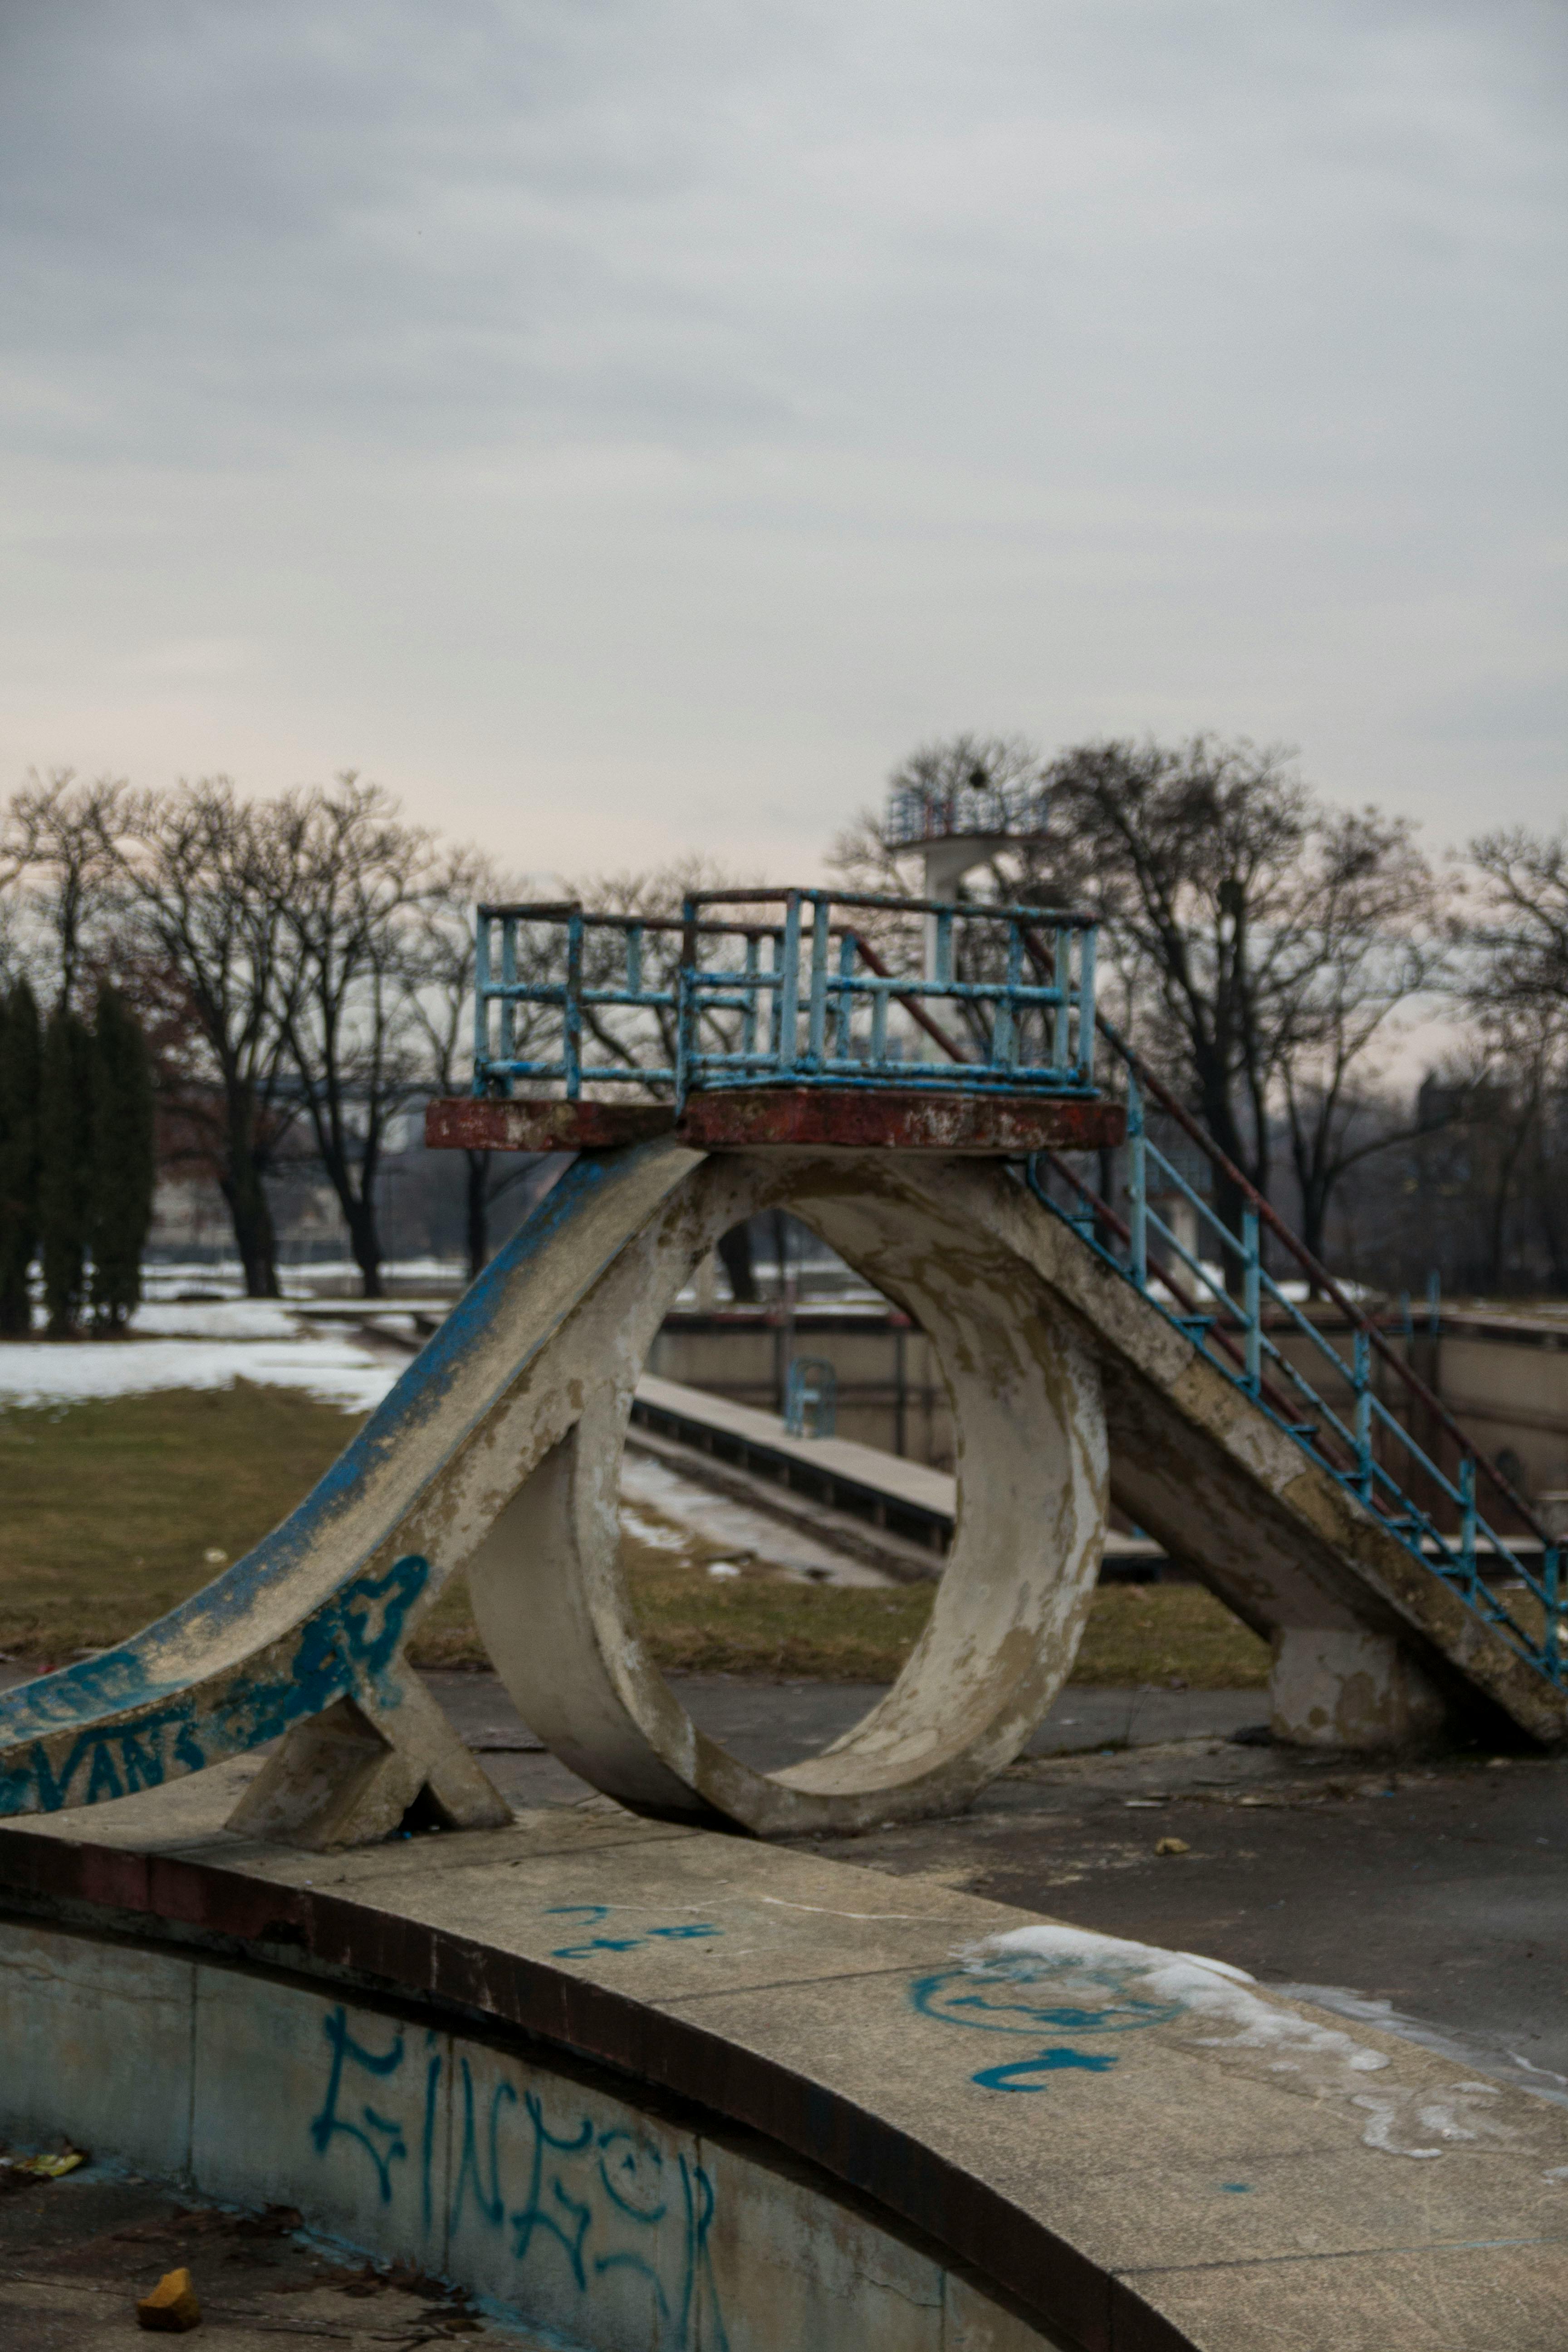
(498, 1456)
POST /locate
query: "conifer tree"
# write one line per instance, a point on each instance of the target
(64, 1168)
(119, 1194)
(19, 1074)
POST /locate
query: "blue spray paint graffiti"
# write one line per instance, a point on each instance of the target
(380, 2136)
(596, 2199)
(615, 2194)
(133, 1679)
(593, 1915)
(347, 1644)
(999, 1996)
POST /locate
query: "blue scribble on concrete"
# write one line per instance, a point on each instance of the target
(1006, 1994)
(589, 2201)
(428, 2137)
(593, 1914)
(388, 2147)
(608, 2209)
(489, 2202)
(1050, 2062)
(553, 2212)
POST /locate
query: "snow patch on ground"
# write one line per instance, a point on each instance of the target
(229, 1318)
(199, 1346)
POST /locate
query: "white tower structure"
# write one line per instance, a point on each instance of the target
(957, 827)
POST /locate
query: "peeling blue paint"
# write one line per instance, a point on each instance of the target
(137, 1724)
(347, 1644)
(132, 1674)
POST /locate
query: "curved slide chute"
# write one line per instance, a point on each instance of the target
(497, 1455)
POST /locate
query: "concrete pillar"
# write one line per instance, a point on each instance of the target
(1339, 1686)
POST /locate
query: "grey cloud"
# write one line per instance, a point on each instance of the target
(1017, 361)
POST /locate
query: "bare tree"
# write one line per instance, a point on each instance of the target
(58, 841)
(1192, 854)
(1259, 942)
(1512, 930)
(1516, 922)
(360, 878)
(1373, 943)
(1265, 940)
(205, 877)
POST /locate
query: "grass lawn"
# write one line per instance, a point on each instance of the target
(116, 1508)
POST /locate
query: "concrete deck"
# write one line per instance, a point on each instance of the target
(859, 1469)
(748, 1118)
(1145, 2161)
(840, 1481)
(1431, 1897)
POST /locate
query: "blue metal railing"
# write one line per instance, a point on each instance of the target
(560, 973)
(989, 810)
(717, 999)
(1230, 1304)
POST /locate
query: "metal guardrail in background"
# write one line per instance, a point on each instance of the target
(987, 810)
(717, 999)
(811, 1396)
(1239, 1332)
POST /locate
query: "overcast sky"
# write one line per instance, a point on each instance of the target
(628, 428)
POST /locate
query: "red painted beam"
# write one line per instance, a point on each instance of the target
(896, 1119)
(753, 1118)
(464, 1123)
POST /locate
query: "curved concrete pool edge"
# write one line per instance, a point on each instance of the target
(1137, 2153)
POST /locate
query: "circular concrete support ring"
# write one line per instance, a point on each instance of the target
(546, 1582)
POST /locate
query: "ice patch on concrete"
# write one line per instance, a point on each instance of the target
(1481, 2052)
(1416, 2121)
(1421, 2123)
(1210, 1989)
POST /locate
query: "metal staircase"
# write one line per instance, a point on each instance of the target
(1238, 1313)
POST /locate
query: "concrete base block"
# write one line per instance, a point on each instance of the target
(1338, 1687)
(348, 1775)
(643, 2085)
